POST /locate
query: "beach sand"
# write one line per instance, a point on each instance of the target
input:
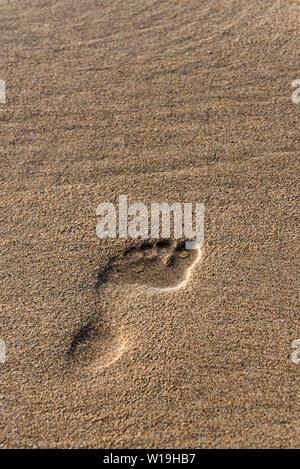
(162, 101)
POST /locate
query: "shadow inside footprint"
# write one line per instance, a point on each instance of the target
(161, 264)
(94, 343)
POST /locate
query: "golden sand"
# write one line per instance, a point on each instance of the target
(181, 101)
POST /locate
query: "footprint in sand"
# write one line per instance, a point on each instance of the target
(161, 265)
(95, 343)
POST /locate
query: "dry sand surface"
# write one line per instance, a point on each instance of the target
(163, 101)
